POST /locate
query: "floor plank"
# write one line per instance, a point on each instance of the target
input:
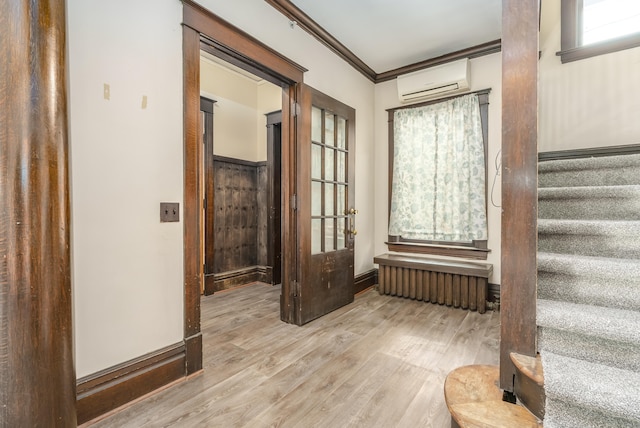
(379, 362)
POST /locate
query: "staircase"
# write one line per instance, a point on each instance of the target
(588, 311)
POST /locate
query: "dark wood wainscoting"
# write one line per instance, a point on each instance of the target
(240, 225)
(236, 278)
(111, 388)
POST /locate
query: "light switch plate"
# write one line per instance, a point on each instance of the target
(169, 212)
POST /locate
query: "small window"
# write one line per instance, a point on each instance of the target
(437, 193)
(596, 27)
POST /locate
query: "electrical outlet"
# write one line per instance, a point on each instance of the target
(169, 212)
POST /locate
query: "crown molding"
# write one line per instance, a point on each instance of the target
(304, 21)
(472, 52)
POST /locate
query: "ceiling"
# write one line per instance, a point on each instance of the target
(390, 34)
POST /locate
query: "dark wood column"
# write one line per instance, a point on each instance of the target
(37, 375)
(519, 183)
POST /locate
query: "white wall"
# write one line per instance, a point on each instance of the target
(125, 160)
(486, 72)
(239, 129)
(331, 75)
(269, 100)
(588, 103)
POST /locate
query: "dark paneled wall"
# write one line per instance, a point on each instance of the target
(240, 203)
(263, 212)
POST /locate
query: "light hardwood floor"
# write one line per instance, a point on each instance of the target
(379, 362)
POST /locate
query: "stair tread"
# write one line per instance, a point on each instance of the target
(616, 324)
(609, 390)
(530, 366)
(475, 400)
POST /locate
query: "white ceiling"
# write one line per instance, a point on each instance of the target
(388, 34)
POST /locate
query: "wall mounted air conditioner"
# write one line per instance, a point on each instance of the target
(434, 82)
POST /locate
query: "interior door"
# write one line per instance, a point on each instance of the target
(324, 205)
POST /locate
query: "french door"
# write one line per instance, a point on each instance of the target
(325, 212)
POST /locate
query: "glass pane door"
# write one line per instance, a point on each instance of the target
(329, 187)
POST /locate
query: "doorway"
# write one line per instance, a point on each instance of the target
(203, 30)
(241, 176)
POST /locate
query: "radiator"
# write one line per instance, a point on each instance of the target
(457, 284)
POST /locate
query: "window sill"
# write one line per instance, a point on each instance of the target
(588, 51)
(439, 250)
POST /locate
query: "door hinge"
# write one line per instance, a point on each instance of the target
(204, 203)
(296, 109)
(294, 202)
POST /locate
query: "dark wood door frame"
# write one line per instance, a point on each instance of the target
(274, 189)
(204, 30)
(206, 107)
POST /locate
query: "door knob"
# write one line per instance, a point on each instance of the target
(354, 232)
(353, 211)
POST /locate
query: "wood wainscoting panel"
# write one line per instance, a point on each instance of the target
(109, 389)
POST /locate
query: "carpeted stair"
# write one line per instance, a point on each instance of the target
(589, 291)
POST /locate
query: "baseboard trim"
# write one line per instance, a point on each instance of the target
(111, 388)
(365, 280)
(226, 280)
(193, 354)
(590, 152)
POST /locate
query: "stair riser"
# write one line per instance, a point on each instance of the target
(590, 177)
(621, 247)
(528, 383)
(590, 290)
(590, 209)
(612, 353)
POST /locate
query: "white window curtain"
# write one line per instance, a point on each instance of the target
(438, 183)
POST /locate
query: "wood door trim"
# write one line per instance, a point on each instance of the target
(274, 197)
(206, 106)
(192, 209)
(201, 25)
(226, 37)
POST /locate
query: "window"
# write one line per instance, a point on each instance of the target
(437, 200)
(596, 27)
